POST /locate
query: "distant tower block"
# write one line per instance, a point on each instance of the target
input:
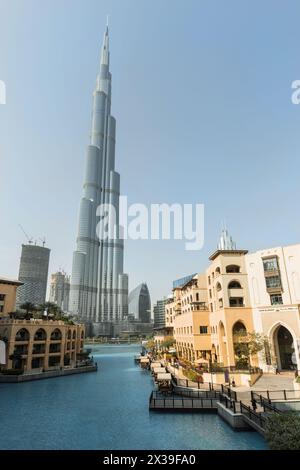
(60, 290)
(33, 273)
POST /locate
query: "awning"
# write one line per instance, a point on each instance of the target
(155, 364)
(159, 370)
(165, 376)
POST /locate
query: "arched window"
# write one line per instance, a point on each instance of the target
(40, 335)
(234, 285)
(74, 334)
(82, 334)
(218, 287)
(233, 268)
(218, 271)
(69, 334)
(239, 329)
(56, 334)
(22, 335)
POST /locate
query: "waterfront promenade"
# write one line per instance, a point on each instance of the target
(108, 410)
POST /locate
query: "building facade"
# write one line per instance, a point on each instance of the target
(229, 303)
(159, 313)
(189, 315)
(274, 286)
(60, 290)
(33, 274)
(240, 293)
(99, 287)
(8, 292)
(139, 303)
(36, 345)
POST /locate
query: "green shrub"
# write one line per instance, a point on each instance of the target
(192, 375)
(282, 431)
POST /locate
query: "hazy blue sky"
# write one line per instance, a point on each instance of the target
(202, 98)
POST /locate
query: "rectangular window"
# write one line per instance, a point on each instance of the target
(1, 308)
(276, 299)
(2, 297)
(203, 330)
(273, 281)
(271, 264)
(236, 302)
(221, 303)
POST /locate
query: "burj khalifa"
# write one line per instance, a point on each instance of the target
(99, 288)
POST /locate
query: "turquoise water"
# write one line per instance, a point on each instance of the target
(107, 409)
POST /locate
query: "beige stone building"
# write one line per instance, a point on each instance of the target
(36, 344)
(274, 286)
(240, 292)
(189, 315)
(229, 303)
(8, 292)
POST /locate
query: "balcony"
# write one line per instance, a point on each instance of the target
(197, 305)
(235, 293)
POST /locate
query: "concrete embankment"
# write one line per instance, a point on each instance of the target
(46, 375)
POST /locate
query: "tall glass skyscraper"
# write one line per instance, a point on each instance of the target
(99, 288)
(139, 303)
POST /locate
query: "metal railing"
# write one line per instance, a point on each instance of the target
(198, 393)
(275, 395)
(198, 385)
(176, 402)
(254, 416)
(226, 390)
(230, 404)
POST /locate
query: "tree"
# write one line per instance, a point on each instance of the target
(29, 308)
(150, 345)
(168, 342)
(282, 431)
(247, 345)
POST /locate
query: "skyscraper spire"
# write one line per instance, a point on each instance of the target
(105, 48)
(99, 288)
(226, 242)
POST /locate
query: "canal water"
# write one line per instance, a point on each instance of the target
(107, 409)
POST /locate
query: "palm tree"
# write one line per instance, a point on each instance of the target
(29, 307)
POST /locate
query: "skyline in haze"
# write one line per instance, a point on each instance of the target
(202, 98)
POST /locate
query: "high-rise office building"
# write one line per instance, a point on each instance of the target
(159, 313)
(139, 303)
(99, 288)
(33, 273)
(60, 290)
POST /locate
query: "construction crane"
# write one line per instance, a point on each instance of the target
(30, 239)
(43, 240)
